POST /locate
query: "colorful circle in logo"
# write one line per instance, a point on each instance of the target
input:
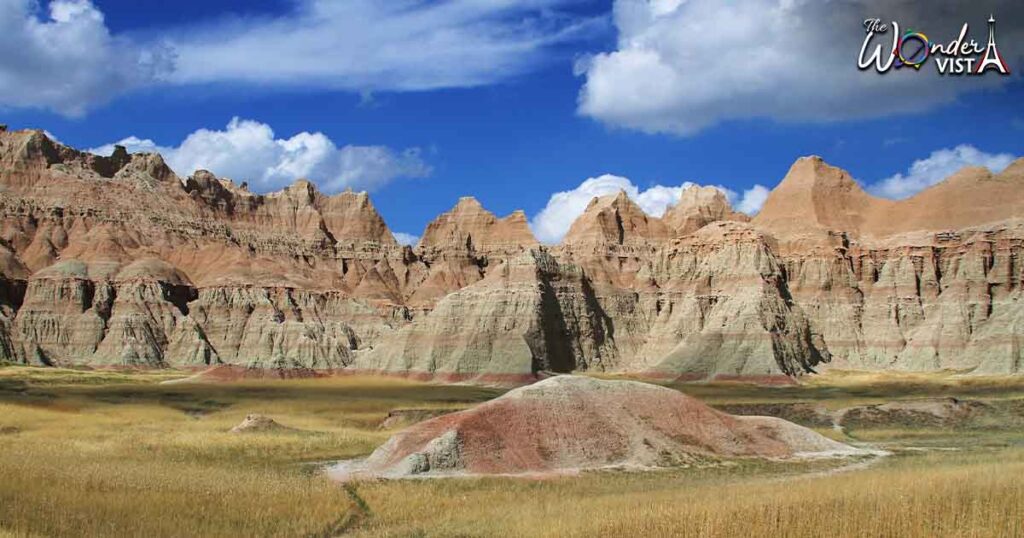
(912, 49)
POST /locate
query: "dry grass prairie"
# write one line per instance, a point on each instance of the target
(937, 494)
(118, 454)
(115, 454)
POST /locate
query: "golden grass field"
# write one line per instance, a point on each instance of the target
(89, 453)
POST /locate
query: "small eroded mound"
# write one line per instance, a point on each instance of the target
(570, 423)
(933, 412)
(258, 424)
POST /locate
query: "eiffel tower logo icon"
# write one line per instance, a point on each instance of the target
(992, 59)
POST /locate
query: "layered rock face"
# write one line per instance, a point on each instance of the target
(615, 220)
(724, 295)
(930, 282)
(116, 261)
(699, 206)
(471, 227)
(457, 245)
(526, 315)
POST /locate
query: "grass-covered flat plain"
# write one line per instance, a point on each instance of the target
(99, 453)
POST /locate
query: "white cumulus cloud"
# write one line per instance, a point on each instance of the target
(924, 173)
(683, 65)
(752, 199)
(368, 45)
(67, 60)
(248, 150)
(406, 239)
(563, 208)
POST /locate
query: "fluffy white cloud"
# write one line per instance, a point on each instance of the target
(247, 150)
(683, 65)
(406, 239)
(68, 61)
(752, 199)
(552, 223)
(366, 45)
(937, 167)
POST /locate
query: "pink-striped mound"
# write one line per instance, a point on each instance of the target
(571, 423)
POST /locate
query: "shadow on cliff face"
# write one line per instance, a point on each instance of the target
(568, 338)
(180, 296)
(12, 292)
(554, 352)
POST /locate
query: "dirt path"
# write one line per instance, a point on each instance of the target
(849, 467)
(356, 514)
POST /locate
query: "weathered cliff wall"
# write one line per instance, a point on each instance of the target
(115, 261)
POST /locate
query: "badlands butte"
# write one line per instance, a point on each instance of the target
(117, 261)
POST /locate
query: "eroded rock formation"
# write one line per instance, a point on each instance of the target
(699, 206)
(572, 423)
(116, 261)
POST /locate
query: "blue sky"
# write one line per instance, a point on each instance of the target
(549, 94)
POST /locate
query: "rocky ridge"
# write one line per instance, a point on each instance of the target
(116, 261)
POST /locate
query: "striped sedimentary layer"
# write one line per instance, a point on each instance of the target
(116, 261)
